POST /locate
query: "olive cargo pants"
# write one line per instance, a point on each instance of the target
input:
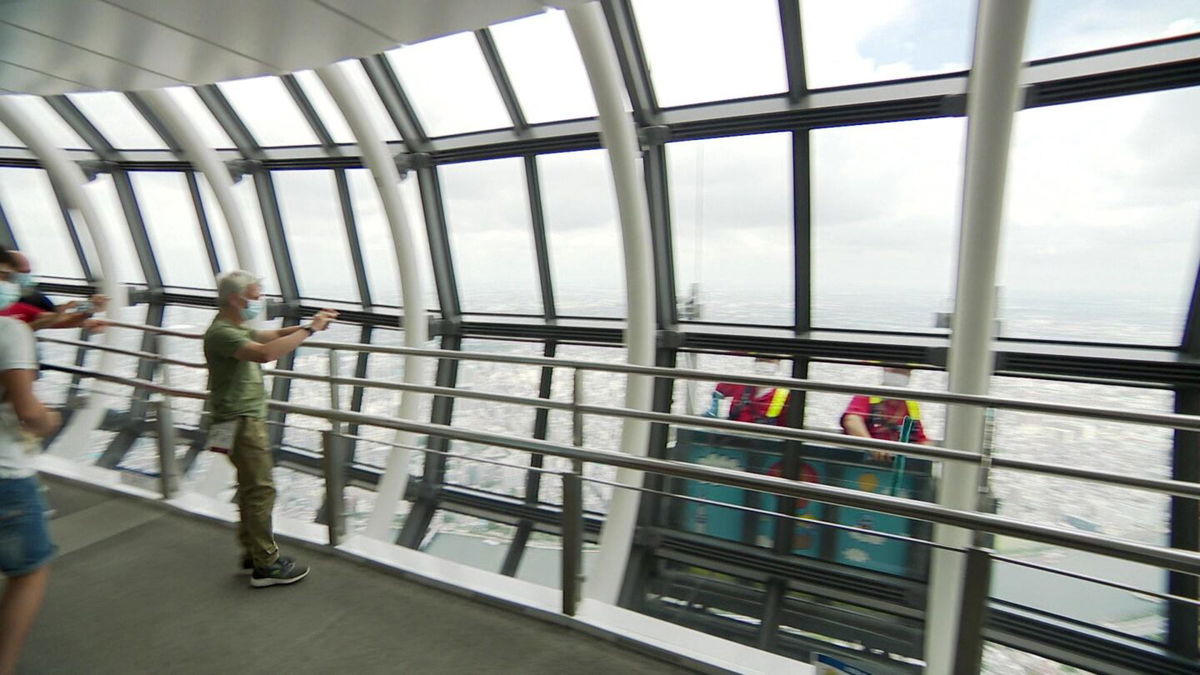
(251, 456)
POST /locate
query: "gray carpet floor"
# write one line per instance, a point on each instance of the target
(138, 589)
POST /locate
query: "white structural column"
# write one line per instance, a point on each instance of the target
(69, 183)
(220, 473)
(416, 324)
(206, 160)
(620, 138)
(991, 106)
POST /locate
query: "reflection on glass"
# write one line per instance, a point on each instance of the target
(1060, 27)
(327, 110)
(390, 368)
(170, 217)
(116, 118)
(450, 85)
(869, 41)
(583, 232)
(316, 235)
(543, 63)
(268, 111)
(200, 117)
(1001, 660)
(487, 214)
(508, 419)
(1102, 241)
(709, 50)
(37, 222)
(731, 216)
(103, 193)
(369, 98)
(305, 432)
(36, 108)
(885, 209)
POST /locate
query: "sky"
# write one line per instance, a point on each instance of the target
(1102, 200)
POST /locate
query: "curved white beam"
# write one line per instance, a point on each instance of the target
(992, 98)
(69, 181)
(620, 138)
(416, 324)
(206, 160)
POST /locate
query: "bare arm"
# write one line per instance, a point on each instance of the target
(283, 341)
(34, 417)
(269, 335)
(855, 425)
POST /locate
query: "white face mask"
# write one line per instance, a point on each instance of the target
(894, 379)
(766, 368)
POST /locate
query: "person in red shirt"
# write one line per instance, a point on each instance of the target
(748, 403)
(38, 312)
(881, 418)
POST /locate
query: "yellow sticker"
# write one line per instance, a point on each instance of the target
(867, 482)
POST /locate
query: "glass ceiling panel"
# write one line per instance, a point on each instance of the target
(1102, 238)
(316, 235)
(450, 86)
(8, 139)
(269, 111)
(731, 218)
(116, 118)
(1060, 27)
(200, 116)
(369, 97)
(103, 193)
(857, 41)
(491, 238)
(327, 110)
(543, 63)
(711, 50)
(583, 233)
(37, 222)
(174, 230)
(60, 133)
(885, 212)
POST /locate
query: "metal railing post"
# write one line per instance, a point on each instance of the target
(335, 484)
(168, 471)
(972, 613)
(576, 413)
(335, 398)
(572, 539)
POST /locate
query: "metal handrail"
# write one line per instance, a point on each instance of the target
(1172, 420)
(1173, 559)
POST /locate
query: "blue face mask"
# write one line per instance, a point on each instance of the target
(253, 308)
(10, 292)
(24, 280)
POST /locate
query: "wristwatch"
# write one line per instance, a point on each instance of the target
(309, 329)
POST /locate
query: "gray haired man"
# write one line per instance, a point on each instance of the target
(238, 407)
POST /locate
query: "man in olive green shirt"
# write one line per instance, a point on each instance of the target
(238, 409)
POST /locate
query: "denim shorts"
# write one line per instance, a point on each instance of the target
(24, 534)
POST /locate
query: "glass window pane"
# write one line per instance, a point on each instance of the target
(369, 97)
(1136, 515)
(174, 231)
(268, 111)
(885, 211)
(60, 133)
(543, 63)
(316, 234)
(375, 238)
(37, 222)
(869, 41)
(450, 85)
(8, 139)
(1059, 27)
(103, 193)
(731, 215)
(116, 118)
(584, 233)
(1102, 237)
(476, 542)
(487, 215)
(710, 50)
(327, 110)
(217, 227)
(200, 116)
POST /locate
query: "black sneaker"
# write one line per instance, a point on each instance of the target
(284, 571)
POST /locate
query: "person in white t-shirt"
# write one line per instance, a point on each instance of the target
(25, 547)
